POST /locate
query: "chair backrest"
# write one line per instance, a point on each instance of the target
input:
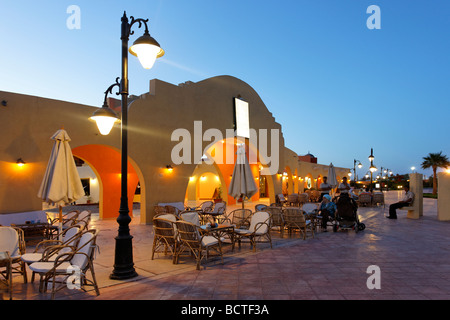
(260, 222)
(378, 198)
(188, 232)
(309, 207)
(9, 241)
(303, 197)
(365, 198)
(207, 206)
(160, 209)
(294, 216)
(70, 237)
(281, 197)
(241, 217)
(190, 216)
(165, 228)
(277, 215)
(85, 249)
(219, 207)
(84, 215)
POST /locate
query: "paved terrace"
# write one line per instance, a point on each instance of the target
(413, 256)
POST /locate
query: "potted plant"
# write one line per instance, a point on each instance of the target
(218, 194)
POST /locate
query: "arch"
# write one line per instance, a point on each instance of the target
(105, 161)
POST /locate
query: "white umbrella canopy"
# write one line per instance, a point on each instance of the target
(332, 177)
(61, 184)
(242, 182)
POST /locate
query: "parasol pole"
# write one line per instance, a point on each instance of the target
(60, 223)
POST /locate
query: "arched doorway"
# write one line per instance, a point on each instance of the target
(105, 161)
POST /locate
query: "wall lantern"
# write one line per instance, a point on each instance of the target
(20, 162)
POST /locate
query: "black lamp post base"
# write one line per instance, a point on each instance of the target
(123, 266)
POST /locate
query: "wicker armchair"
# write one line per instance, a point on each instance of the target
(160, 210)
(365, 199)
(277, 217)
(293, 199)
(78, 261)
(295, 219)
(51, 248)
(303, 198)
(378, 198)
(239, 217)
(191, 240)
(260, 225)
(165, 235)
(311, 211)
(12, 240)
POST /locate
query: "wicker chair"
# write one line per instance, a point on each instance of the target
(191, 216)
(303, 198)
(260, 225)
(206, 206)
(160, 210)
(365, 199)
(68, 219)
(172, 210)
(165, 235)
(295, 219)
(12, 240)
(277, 217)
(239, 217)
(378, 198)
(280, 199)
(293, 199)
(315, 195)
(78, 260)
(311, 210)
(51, 248)
(191, 240)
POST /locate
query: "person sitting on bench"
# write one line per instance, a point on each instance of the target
(406, 201)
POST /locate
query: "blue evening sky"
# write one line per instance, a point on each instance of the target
(336, 87)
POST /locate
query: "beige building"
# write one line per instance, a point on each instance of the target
(179, 147)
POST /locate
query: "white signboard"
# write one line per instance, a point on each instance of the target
(242, 118)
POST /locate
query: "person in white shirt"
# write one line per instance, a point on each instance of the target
(324, 188)
(344, 186)
(406, 201)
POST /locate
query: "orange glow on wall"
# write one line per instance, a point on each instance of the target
(106, 162)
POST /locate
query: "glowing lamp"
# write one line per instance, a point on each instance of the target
(147, 50)
(105, 119)
(20, 162)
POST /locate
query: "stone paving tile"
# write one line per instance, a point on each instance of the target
(413, 256)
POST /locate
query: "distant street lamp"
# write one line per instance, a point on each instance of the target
(354, 168)
(372, 168)
(147, 50)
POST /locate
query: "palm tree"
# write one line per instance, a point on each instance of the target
(435, 160)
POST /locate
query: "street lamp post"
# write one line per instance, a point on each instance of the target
(372, 168)
(147, 50)
(354, 169)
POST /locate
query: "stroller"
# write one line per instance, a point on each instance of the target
(346, 215)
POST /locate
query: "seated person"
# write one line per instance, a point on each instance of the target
(327, 209)
(406, 201)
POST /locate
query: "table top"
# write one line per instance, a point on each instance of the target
(219, 227)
